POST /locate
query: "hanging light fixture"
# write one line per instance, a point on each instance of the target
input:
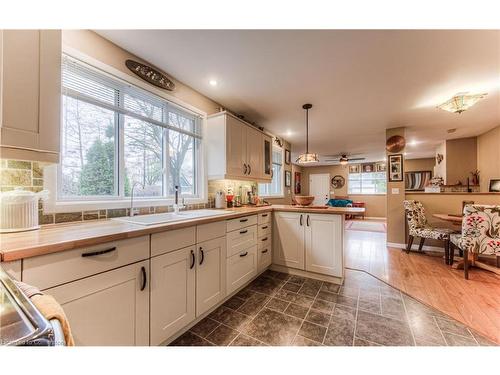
(343, 160)
(461, 102)
(307, 157)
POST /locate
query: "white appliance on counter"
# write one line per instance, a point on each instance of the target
(220, 199)
(19, 210)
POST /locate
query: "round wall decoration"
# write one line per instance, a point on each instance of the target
(150, 75)
(395, 143)
(338, 182)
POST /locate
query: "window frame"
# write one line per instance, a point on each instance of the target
(282, 193)
(53, 172)
(361, 183)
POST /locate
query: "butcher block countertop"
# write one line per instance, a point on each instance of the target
(61, 237)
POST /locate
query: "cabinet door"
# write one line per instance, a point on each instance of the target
(236, 147)
(30, 95)
(210, 274)
(172, 293)
(109, 308)
(255, 153)
(267, 157)
(288, 239)
(324, 244)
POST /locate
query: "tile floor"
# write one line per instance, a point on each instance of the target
(280, 309)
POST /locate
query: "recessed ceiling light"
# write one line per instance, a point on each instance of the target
(413, 143)
(212, 82)
(451, 131)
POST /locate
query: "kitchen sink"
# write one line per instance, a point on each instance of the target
(170, 217)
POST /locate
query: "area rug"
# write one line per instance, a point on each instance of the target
(366, 226)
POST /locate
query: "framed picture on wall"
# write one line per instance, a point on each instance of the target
(396, 168)
(288, 178)
(417, 180)
(287, 156)
(354, 168)
(380, 167)
(368, 167)
(296, 181)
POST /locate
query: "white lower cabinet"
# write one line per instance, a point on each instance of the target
(241, 268)
(289, 239)
(173, 279)
(324, 244)
(111, 308)
(210, 274)
(311, 242)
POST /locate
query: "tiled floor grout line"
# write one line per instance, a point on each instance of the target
(440, 330)
(356, 318)
(408, 320)
(305, 316)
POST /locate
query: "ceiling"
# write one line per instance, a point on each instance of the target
(360, 82)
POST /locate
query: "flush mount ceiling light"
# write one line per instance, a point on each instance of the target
(343, 160)
(461, 102)
(307, 157)
(212, 82)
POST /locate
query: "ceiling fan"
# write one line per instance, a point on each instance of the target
(343, 159)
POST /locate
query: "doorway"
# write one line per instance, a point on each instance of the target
(319, 187)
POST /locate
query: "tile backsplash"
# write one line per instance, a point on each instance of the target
(29, 176)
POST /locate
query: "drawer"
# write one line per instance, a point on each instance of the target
(210, 231)
(264, 258)
(240, 269)
(241, 239)
(264, 230)
(264, 218)
(263, 242)
(171, 240)
(241, 222)
(49, 270)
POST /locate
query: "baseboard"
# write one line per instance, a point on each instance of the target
(415, 247)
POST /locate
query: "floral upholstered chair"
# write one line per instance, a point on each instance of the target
(418, 227)
(480, 233)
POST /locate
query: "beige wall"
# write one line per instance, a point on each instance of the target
(461, 159)
(95, 46)
(395, 210)
(488, 157)
(375, 204)
(423, 164)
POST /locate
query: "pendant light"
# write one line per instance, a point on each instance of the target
(307, 157)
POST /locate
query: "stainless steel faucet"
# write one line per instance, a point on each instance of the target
(132, 210)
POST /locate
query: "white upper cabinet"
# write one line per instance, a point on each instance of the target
(237, 150)
(30, 94)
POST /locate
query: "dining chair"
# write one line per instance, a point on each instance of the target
(480, 234)
(418, 227)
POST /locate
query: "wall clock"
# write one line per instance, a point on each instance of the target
(338, 182)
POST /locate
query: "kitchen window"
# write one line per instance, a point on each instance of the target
(367, 183)
(275, 187)
(116, 136)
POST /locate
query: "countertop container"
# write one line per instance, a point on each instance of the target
(19, 210)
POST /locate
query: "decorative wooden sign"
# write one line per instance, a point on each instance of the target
(150, 75)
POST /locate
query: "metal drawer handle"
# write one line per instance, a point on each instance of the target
(144, 278)
(264, 215)
(249, 169)
(264, 239)
(264, 251)
(244, 254)
(243, 220)
(100, 252)
(308, 221)
(246, 168)
(202, 255)
(192, 260)
(264, 227)
(300, 219)
(243, 231)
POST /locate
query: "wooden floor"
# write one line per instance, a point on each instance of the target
(474, 302)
